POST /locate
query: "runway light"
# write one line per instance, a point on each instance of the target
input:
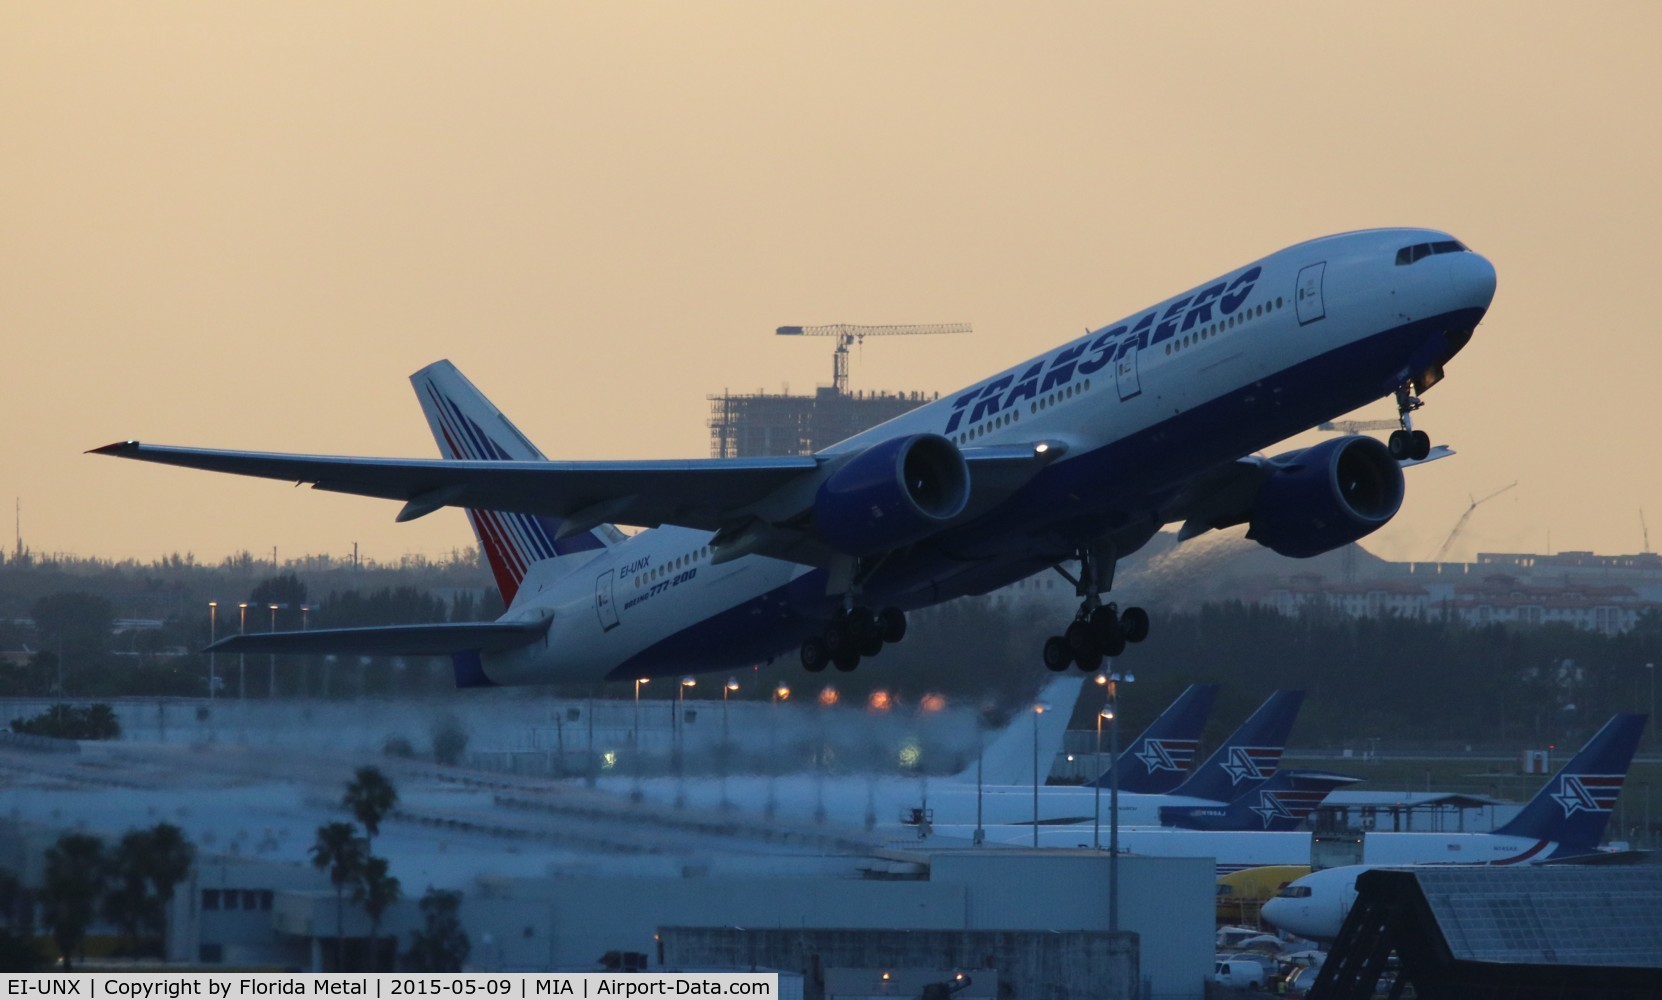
(910, 754)
(932, 702)
(688, 682)
(828, 696)
(782, 693)
(608, 760)
(886, 977)
(879, 701)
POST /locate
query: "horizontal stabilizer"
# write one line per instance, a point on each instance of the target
(391, 640)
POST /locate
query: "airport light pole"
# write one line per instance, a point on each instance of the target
(271, 658)
(780, 693)
(1651, 667)
(726, 744)
(638, 682)
(1038, 710)
(242, 658)
(1114, 799)
(726, 689)
(1096, 787)
(213, 635)
(680, 741)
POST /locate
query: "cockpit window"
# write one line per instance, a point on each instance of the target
(1294, 892)
(1409, 255)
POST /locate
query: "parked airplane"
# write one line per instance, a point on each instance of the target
(1569, 815)
(1158, 761)
(1565, 818)
(1243, 764)
(1078, 455)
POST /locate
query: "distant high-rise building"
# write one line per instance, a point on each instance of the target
(751, 425)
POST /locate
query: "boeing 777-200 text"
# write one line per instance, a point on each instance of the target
(1074, 457)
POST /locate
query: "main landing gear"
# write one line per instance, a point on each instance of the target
(1098, 630)
(854, 632)
(1408, 444)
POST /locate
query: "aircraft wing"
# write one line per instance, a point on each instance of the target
(695, 493)
(391, 640)
(757, 505)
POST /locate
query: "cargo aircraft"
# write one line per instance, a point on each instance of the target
(1069, 461)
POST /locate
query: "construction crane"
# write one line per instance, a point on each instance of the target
(847, 334)
(1466, 517)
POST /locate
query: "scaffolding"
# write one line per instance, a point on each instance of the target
(751, 425)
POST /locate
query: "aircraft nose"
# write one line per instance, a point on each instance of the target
(1270, 908)
(1474, 278)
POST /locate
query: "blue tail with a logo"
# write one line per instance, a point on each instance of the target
(1573, 808)
(1160, 757)
(1249, 757)
(1283, 802)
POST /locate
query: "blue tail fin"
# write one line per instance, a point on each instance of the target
(1161, 756)
(1249, 757)
(1281, 803)
(1573, 808)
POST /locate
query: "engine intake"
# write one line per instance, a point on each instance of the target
(892, 494)
(1326, 496)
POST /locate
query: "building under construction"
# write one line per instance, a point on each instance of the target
(749, 425)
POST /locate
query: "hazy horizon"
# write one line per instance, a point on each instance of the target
(243, 226)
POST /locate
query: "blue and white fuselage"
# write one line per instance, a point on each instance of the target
(1082, 452)
(1139, 407)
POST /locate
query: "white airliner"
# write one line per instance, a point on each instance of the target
(1078, 455)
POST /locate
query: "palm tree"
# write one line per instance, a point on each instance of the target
(375, 891)
(371, 797)
(342, 852)
(170, 861)
(75, 873)
(147, 865)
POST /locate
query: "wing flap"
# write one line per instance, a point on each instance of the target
(391, 640)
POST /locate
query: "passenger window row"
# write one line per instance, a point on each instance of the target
(1208, 332)
(664, 569)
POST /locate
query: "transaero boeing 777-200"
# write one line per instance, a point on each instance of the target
(1071, 460)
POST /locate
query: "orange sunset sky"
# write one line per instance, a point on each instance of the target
(243, 225)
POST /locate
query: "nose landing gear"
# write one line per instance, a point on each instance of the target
(1408, 444)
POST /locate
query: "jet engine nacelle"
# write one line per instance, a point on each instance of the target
(892, 494)
(1326, 496)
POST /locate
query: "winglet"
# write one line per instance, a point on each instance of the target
(119, 448)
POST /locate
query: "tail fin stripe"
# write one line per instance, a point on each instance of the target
(508, 542)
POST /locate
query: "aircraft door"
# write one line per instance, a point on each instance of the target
(1125, 372)
(1309, 294)
(604, 606)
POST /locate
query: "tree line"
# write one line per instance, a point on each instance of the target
(129, 885)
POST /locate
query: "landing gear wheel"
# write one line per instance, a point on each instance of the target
(1114, 644)
(871, 645)
(1105, 621)
(1134, 624)
(891, 624)
(838, 638)
(1081, 639)
(862, 625)
(1401, 445)
(814, 654)
(1089, 660)
(1057, 654)
(1421, 445)
(846, 661)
